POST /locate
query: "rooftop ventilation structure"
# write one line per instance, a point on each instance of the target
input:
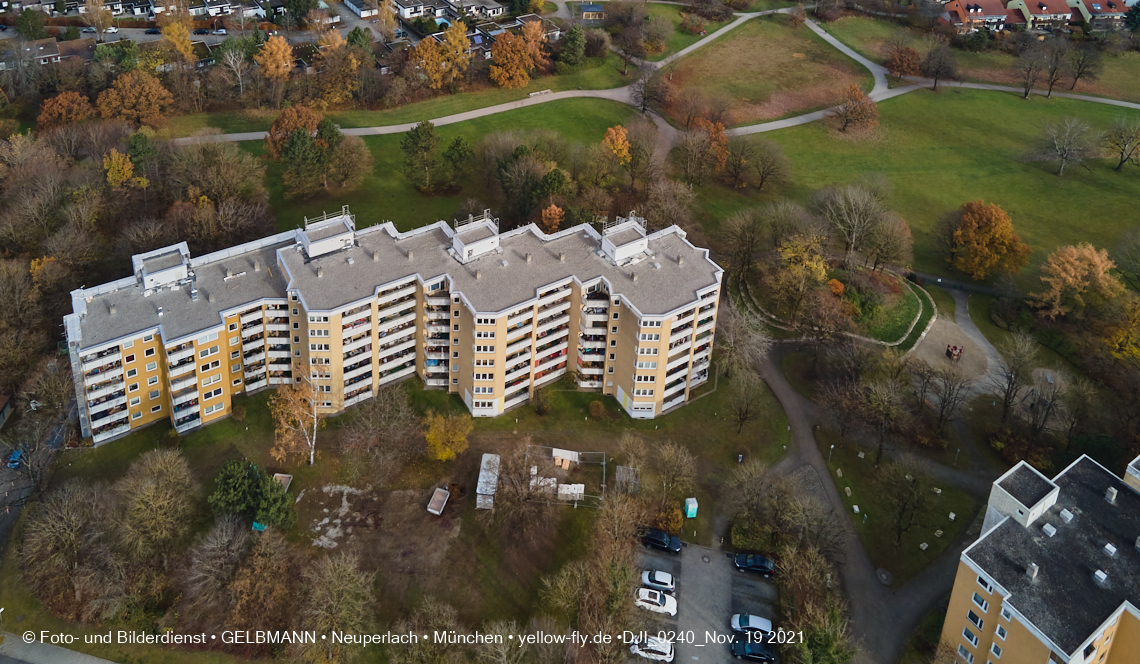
(1110, 549)
(1032, 571)
(624, 238)
(475, 237)
(328, 233)
(1066, 516)
(1101, 576)
(1049, 529)
(1110, 495)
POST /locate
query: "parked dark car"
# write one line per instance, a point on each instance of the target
(201, 31)
(659, 539)
(742, 648)
(153, 31)
(751, 562)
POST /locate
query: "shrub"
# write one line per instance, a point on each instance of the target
(597, 409)
(692, 24)
(670, 520)
(836, 287)
(748, 534)
(543, 402)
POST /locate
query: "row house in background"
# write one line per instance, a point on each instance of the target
(488, 316)
(1039, 15)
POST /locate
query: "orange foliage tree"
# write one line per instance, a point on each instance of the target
(904, 61)
(1076, 278)
(136, 97)
(275, 59)
(456, 51)
(429, 57)
(856, 109)
(512, 61)
(286, 122)
(617, 142)
(984, 242)
(552, 218)
(63, 109)
(718, 142)
(535, 37)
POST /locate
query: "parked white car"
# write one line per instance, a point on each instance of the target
(744, 622)
(111, 30)
(220, 31)
(655, 601)
(658, 650)
(658, 580)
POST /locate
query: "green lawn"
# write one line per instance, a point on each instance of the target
(947, 306)
(979, 306)
(923, 319)
(765, 5)
(867, 36)
(876, 531)
(680, 39)
(607, 74)
(387, 196)
(891, 324)
(940, 150)
(770, 70)
(921, 645)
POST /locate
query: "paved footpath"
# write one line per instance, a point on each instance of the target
(14, 650)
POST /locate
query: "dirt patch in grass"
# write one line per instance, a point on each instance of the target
(769, 70)
(971, 363)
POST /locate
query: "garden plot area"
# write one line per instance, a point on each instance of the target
(769, 70)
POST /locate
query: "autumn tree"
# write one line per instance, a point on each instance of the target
(939, 63)
(446, 435)
(275, 59)
(385, 21)
(64, 109)
(1076, 279)
(97, 15)
(336, 598)
(551, 218)
(534, 35)
(176, 34)
(118, 167)
(511, 60)
(802, 267)
(288, 121)
(984, 242)
(296, 419)
(904, 61)
(617, 142)
(456, 51)
(856, 109)
(136, 97)
(1122, 140)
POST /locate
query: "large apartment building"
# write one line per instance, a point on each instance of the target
(1055, 575)
(486, 315)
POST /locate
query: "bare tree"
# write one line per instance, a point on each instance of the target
(97, 15)
(1085, 64)
(786, 218)
(648, 90)
(889, 243)
(923, 379)
(502, 650)
(905, 491)
(1080, 403)
(1123, 141)
(852, 211)
(742, 233)
(884, 409)
(744, 400)
(1010, 375)
(676, 467)
(1056, 62)
(337, 597)
(31, 436)
(690, 105)
(740, 157)
(770, 164)
(939, 62)
(842, 400)
(213, 562)
(297, 418)
(521, 498)
(749, 486)
(951, 389)
(1045, 403)
(1028, 67)
(741, 342)
(1070, 141)
(233, 59)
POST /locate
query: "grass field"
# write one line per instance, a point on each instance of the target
(679, 39)
(769, 70)
(387, 196)
(1120, 78)
(608, 74)
(876, 530)
(946, 304)
(940, 150)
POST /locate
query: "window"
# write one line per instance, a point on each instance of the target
(155, 409)
(617, 302)
(965, 654)
(128, 359)
(136, 401)
(985, 584)
(982, 604)
(455, 341)
(207, 352)
(970, 636)
(237, 381)
(128, 344)
(296, 353)
(232, 327)
(454, 368)
(650, 337)
(974, 618)
(148, 338)
(454, 381)
(235, 341)
(318, 319)
(296, 339)
(613, 343)
(484, 349)
(295, 308)
(214, 407)
(151, 366)
(484, 321)
(319, 360)
(154, 394)
(213, 336)
(131, 373)
(613, 330)
(296, 326)
(211, 366)
(642, 393)
(484, 376)
(235, 354)
(152, 380)
(211, 380)
(613, 356)
(318, 333)
(647, 351)
(996, 650)
(135, 416)
(484, 390)
(1001, 632)
(1090, 651)
(650, 323)
(482, 363)
(455, 328)
(455, 314)
(133, 387)
(1006, 614)
(646, 365)
(212, 393)
(325, 388)
(609, 370)
(483, 404)
(149, 352)
(616, 315)
(489, 334)
(318, 346)
(326, 404)
(646, 379)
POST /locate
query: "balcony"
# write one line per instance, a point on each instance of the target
(546, 378)
(397, 374)
(592, 354)
(106, 434)
(558, 361)
(396, 321)
(253, 344)
(516, 371)
(102, 360)
(701, 354)
(676, 387)
(435, 382)
(353, 344)
(683, 342)
(187, 409)
(680, 399)
(397, 346)
(111, 400)
(98, 376)
(353, 329)
(175, 356)
(519, 331)
(520, 345)
(350, 318)
(407, 330)
(706, 325)
(250, 317)
(359, 371)
(187, 423)
(550, 324)
(595, 314)
(435, 354)
(681, 359)
(552, 339)
(438, 299)
(249, 331)
(352, 401)
(278, 380)
(698, 378)
(437, 313)
(185, 396)
(437, 367)
(260, 382)
(587, 383)
(279, 354)
(587, 370)
(436, 327)
(397, 293)
(592, 341)
(680, 332)
(109, 417)
(520, 318)
(277, 327)
(516, 400)
(563, 292)
(550, 350)
(598, 295)
(180, 370)
(392, 361)
(255, 356)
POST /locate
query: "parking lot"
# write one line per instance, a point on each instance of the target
(709, 592)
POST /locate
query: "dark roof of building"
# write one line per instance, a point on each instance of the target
(78, 48)
(1065, 601)
(1026, 485)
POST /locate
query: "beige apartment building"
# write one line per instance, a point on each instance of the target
(1055, 575)
(486, 315)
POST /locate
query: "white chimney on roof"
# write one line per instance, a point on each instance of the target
(1066, 516)
(1101, 575)
(1110, 549)
(257, 266)
(411, 254)
(1031, 571)
(1049, 530)
(680, 260)
(114, 310)
(1110, 495)
(320, 272)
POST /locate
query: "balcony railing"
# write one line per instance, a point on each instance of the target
(519, 331)
(173, 357)
(103, 359)
(250, 330)
(397, 293)
(439, 299)
(251, 317)
(98, 373)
